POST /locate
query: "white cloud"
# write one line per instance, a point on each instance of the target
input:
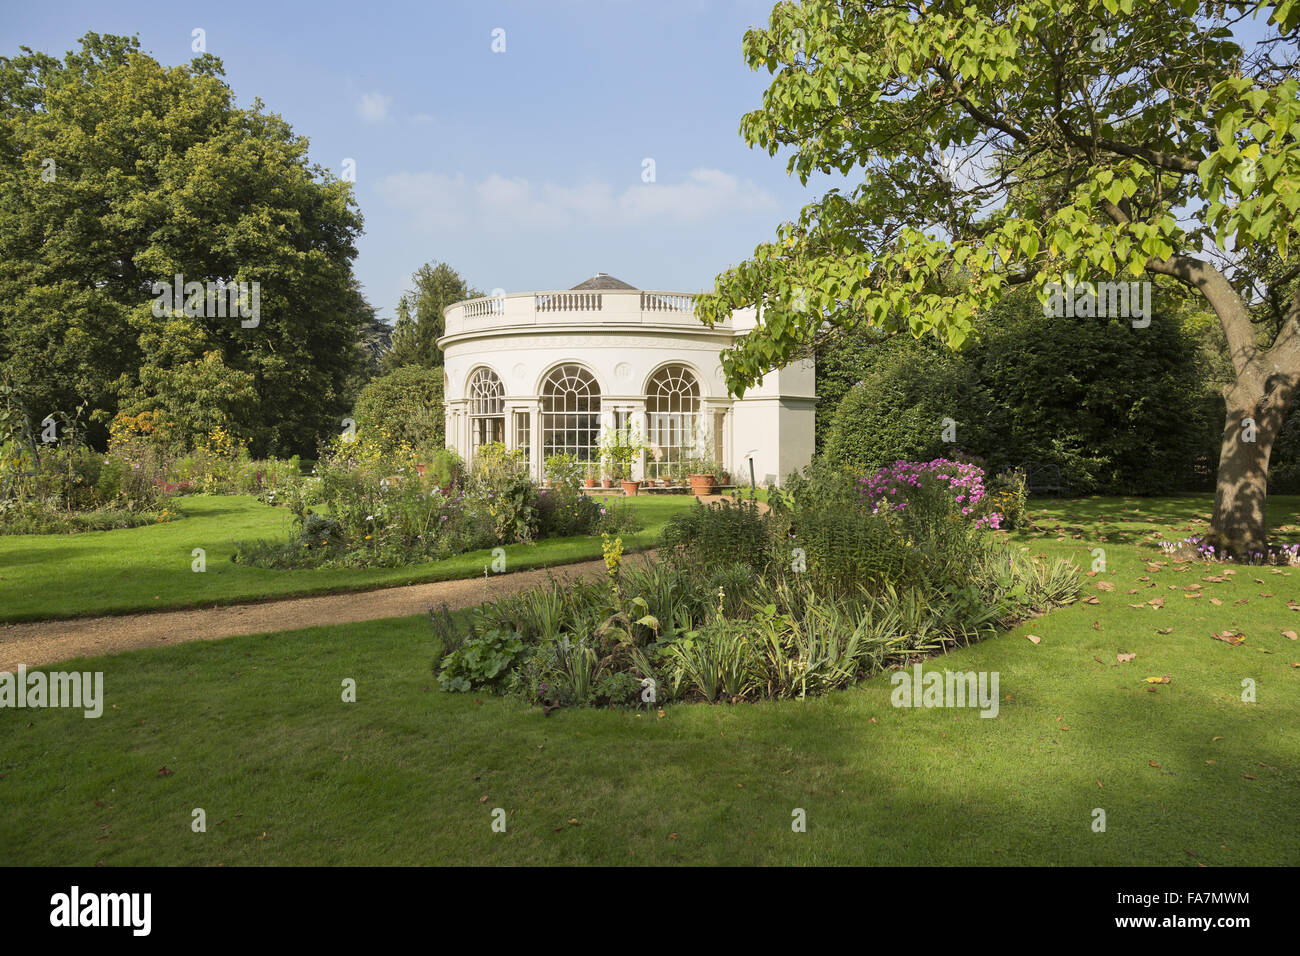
(704, 194)
(374, 107)
(439, 200)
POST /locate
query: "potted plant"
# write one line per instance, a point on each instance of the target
(703, 475)
(592, 476)
(621, 447)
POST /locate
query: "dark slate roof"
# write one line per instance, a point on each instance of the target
(601, 281)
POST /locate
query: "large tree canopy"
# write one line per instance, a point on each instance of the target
(1005, 142)
(117, 172)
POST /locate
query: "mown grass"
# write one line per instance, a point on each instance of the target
(254, 731)
(149, 568)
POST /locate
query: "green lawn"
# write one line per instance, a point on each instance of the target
(147, 568)
(252, 730)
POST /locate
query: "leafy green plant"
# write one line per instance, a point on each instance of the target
(481, 662)
(620, 448)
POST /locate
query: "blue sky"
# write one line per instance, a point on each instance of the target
(523, 169)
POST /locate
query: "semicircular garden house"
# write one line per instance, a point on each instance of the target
(552, 372)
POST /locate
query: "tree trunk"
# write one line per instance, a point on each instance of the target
(1254, 419)
(1267, 380)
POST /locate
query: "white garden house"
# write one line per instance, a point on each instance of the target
(547, 372)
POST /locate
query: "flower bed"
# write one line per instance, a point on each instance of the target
(365, 506)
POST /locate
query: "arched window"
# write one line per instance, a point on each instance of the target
(570, 413)
(487, 408)
(672, 404)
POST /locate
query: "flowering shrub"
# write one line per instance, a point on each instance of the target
(1009, 496)
(902, 526)
(893, 485)
(565, 472)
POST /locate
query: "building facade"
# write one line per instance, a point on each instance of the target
(550, 372)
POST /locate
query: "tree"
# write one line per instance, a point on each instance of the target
(375, 338)
(118, 173)
(415, 336)
(1007, 143)
(403, 346)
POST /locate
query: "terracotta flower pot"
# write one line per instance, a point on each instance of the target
(702, 484)
(589, 482)
(607, 482)
(630, 487)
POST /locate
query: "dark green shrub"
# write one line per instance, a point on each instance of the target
(898, 411)
(406, 405)
(1284, 463)
(1118, 410)
(728, 532)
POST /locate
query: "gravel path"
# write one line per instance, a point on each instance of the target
(46, 642)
